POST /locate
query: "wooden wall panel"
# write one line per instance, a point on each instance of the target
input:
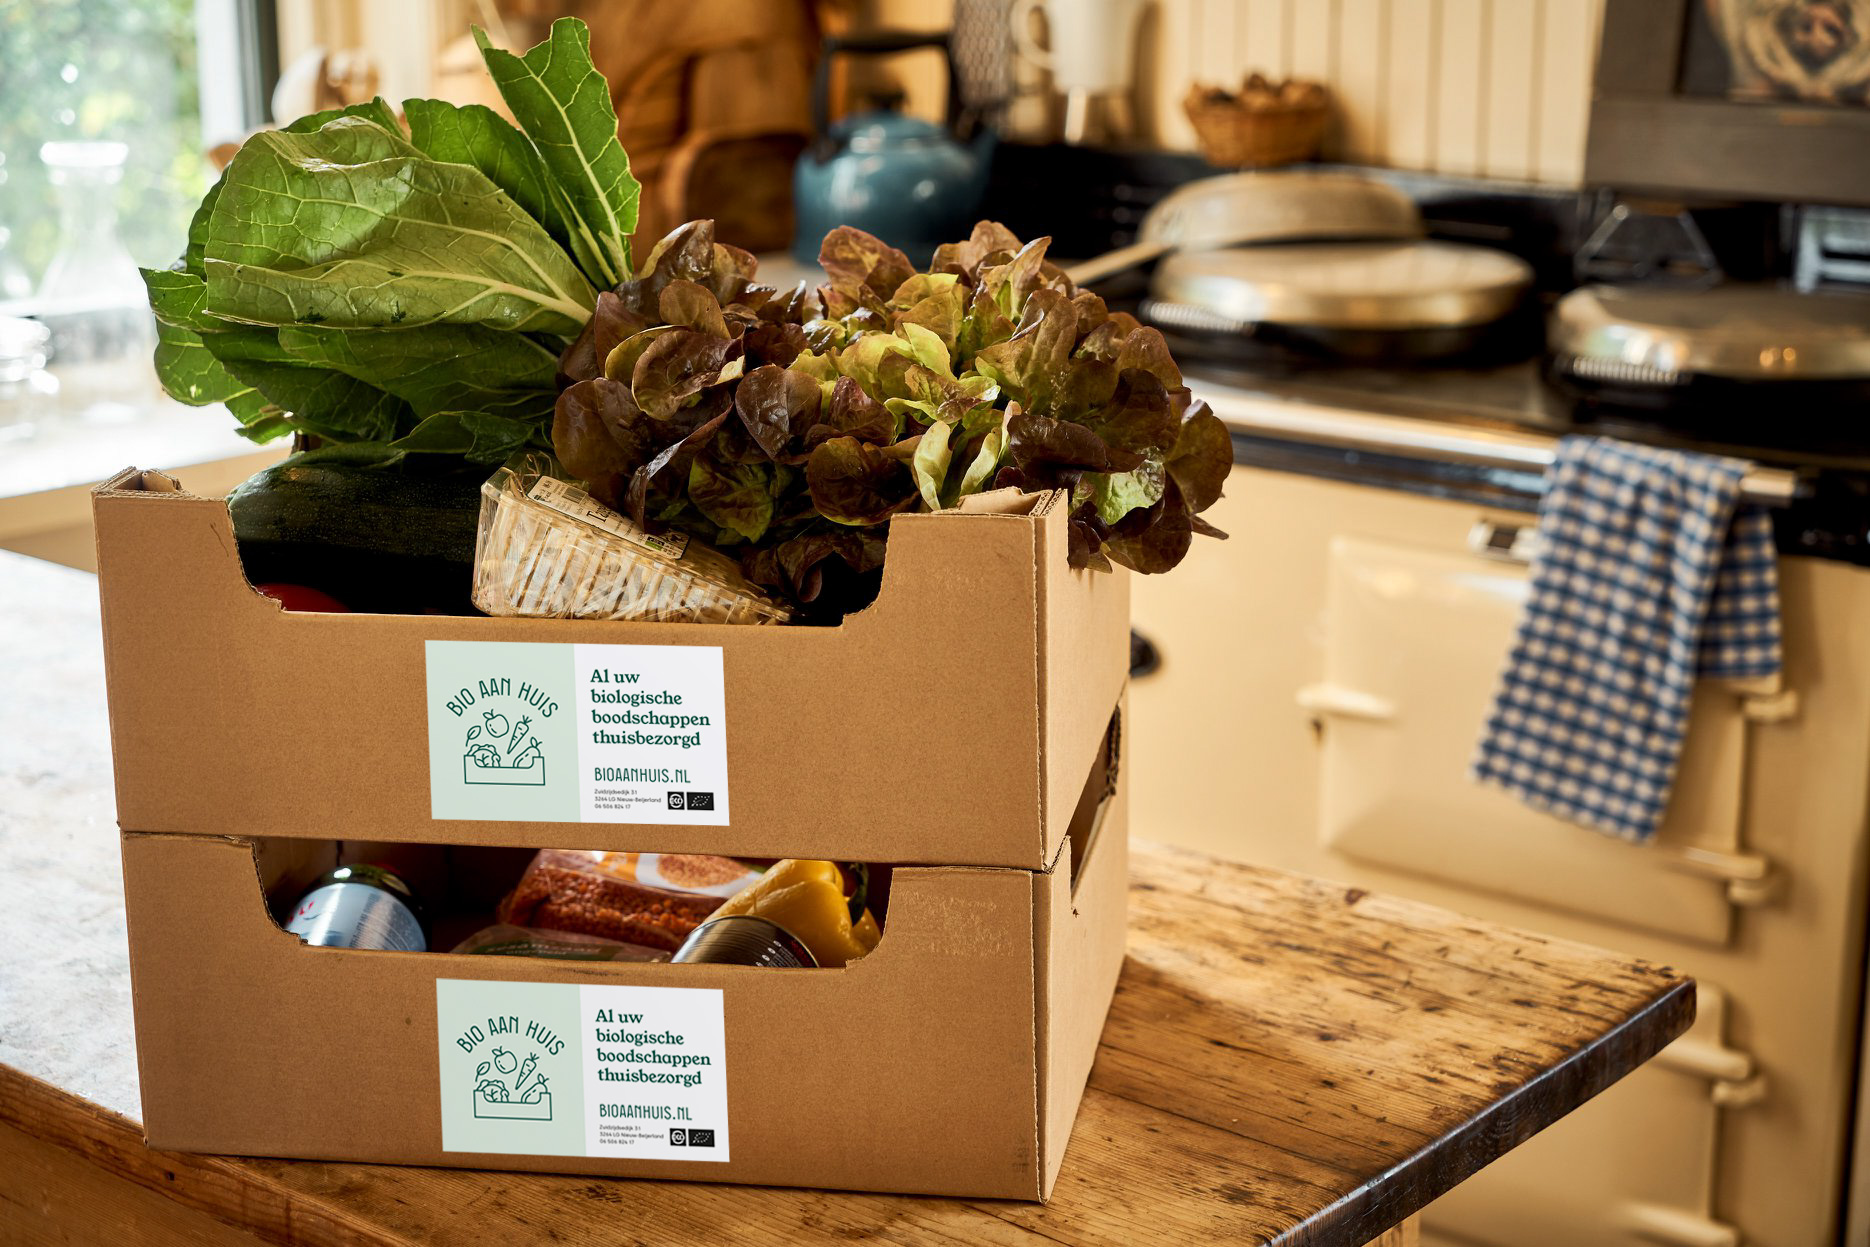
(1499, 88)
(1567, 51)
(1266, 43)
(1461, 87)
(1407, 127)
(1362, 77)
(1511, 98)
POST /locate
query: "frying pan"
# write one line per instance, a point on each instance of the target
(1321, 262)
(1245, 209)
(1380, 301)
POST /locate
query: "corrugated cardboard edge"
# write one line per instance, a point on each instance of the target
(1078, 942)
(1076, 695)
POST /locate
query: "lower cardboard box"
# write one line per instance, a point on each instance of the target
(949, 1061)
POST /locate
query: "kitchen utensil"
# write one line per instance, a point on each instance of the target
(1239, 209)
(909, 182)
(1358, 300)
(1092, 48)
(1713, 357)
(1661, 336)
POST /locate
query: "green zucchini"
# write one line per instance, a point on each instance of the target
(387, 538)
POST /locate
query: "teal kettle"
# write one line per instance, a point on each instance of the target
(911, 183)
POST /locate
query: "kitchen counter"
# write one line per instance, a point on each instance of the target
(1487, 436)
(1287, 1061)
(1515, 399)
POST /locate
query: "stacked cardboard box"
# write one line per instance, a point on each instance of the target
(964, 727)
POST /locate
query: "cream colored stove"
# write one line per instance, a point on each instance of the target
(1324, 675)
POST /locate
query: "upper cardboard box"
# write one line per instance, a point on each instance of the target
(951, 722)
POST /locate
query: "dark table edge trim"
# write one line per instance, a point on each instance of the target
(1440, 1166)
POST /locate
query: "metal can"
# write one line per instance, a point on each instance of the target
(360, 907)
(743, 940)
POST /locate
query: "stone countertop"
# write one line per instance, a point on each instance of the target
(61, 916)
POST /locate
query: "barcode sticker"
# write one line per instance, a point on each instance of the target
(568, 499)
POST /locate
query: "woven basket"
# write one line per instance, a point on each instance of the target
(1234, 134)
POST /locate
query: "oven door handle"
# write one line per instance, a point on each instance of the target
(1677, 1226)
(1749, 877)
(1346, 703)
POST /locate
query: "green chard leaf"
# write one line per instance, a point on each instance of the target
(352, 226)
(188, 370)
(563, 104)
(438, 368)
(373, 110)
(201, 359)
(474, 134)
(476, 436)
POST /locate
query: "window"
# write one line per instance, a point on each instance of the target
(85, 72)
(108, 109)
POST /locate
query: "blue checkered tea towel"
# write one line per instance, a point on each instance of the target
(1647, 575)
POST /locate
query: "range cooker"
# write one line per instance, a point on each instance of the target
(1321, 684)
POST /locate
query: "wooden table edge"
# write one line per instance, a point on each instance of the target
(1452, 1159)
(217, 1186)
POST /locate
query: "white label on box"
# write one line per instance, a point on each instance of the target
(568, 499)
(562, 1069)
(538, 732)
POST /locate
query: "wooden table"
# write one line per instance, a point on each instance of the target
(1287, 1061)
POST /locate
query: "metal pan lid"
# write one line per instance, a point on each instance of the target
(1659, 336)
(1238, 209)
(1366, 285)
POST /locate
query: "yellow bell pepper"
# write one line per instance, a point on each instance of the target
(806, 897)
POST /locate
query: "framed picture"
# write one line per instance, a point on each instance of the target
(1734, 99)
(1815, 51)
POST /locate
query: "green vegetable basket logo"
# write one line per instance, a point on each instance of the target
(511, 1090)
(499, 754)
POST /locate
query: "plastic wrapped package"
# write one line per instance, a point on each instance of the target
(546, 548)
(651, 899)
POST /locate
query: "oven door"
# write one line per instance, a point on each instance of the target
(1415, 638)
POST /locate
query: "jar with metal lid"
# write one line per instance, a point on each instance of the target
(360, 906)
(28, 393)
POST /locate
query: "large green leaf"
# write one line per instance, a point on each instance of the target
(473, 134)
(372, 110)
(326, 403)
(476, 436)
(353, 226)
(188, 370)
(437, 368)
(563, 105)
(201, 359)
